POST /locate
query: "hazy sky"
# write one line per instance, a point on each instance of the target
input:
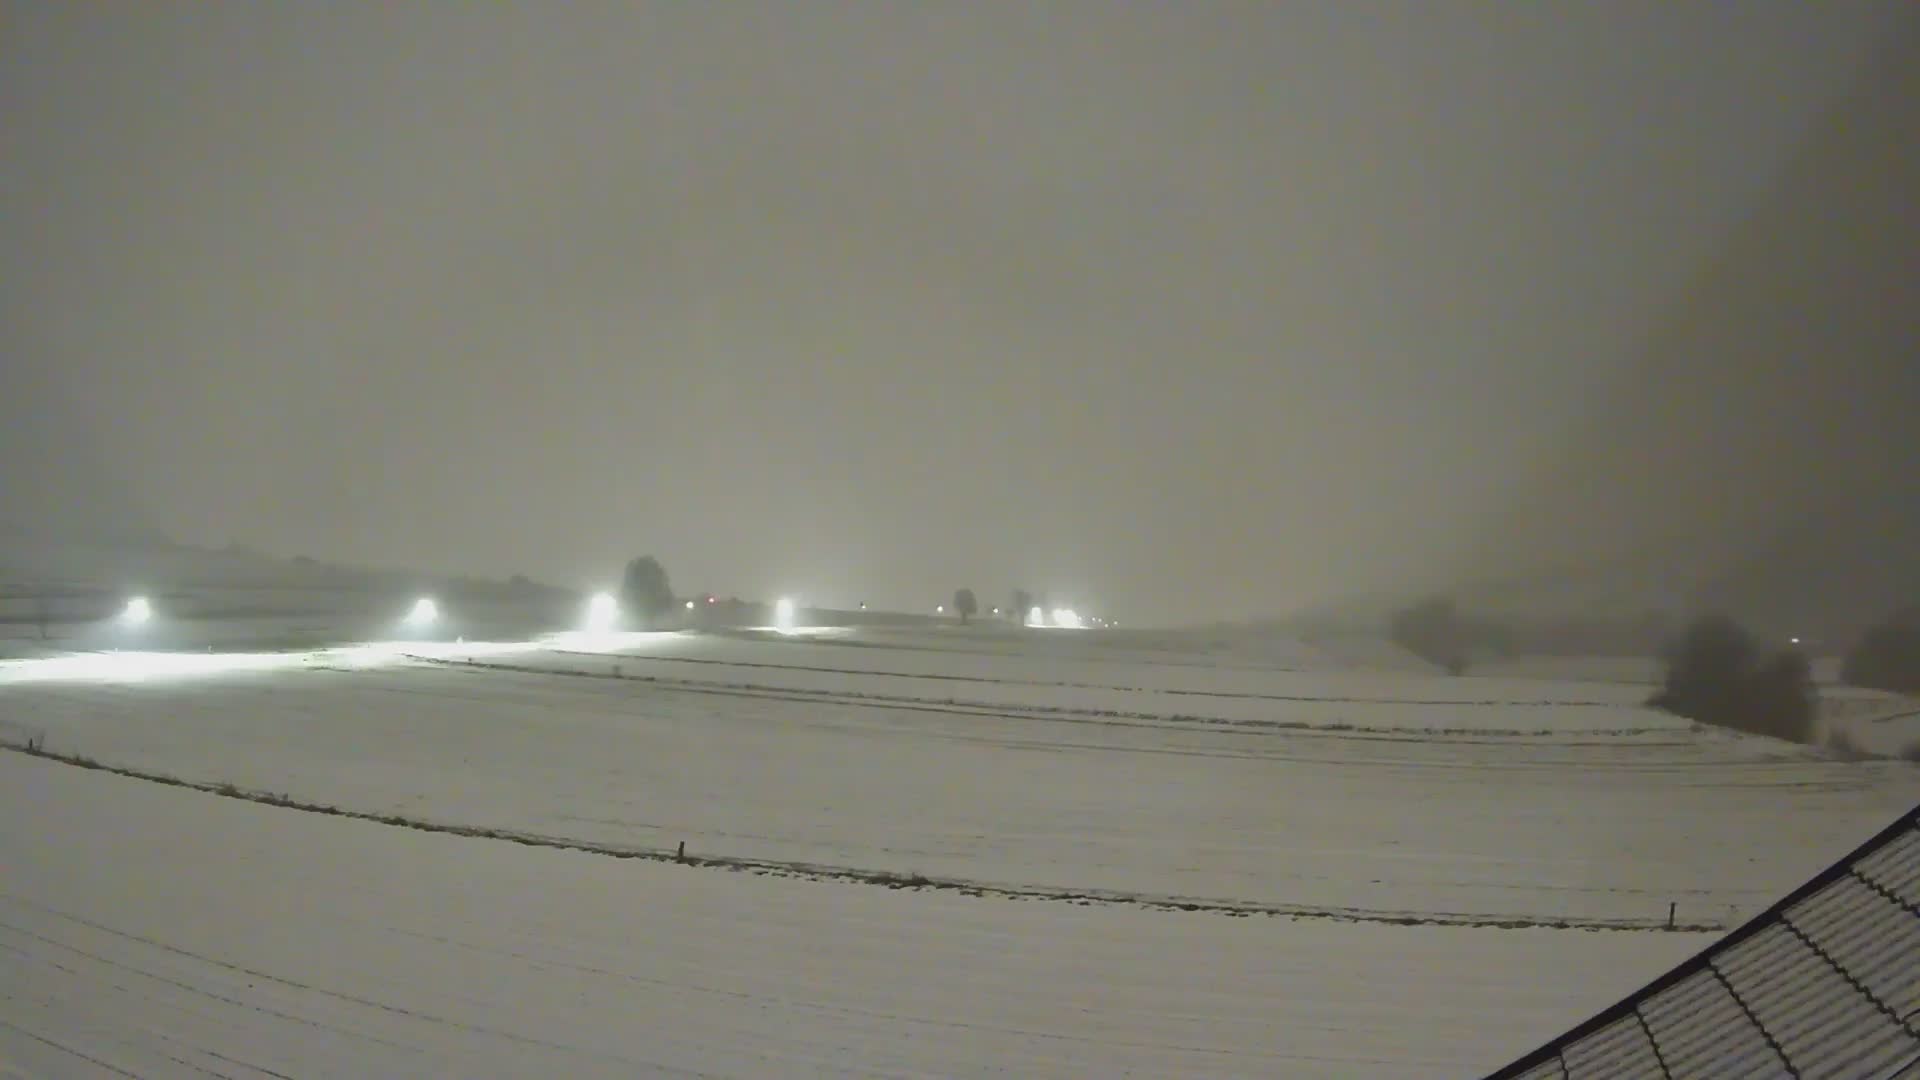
(1174, 311)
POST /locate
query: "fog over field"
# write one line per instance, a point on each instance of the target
(1077, 540)
(1187, 317)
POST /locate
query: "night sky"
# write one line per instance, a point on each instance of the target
(1177, 312)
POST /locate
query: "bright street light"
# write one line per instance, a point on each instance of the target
(137, 611)
(424, 612)
(602, 611)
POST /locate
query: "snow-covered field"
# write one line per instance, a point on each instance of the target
(157, 932)
(1411, 849)
(1873, 721)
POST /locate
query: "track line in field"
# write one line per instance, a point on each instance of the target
(960, 707)
(892, 880)
(1233, 695)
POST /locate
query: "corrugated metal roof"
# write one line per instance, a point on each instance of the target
(1826, 983)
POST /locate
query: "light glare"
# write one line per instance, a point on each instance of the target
(138, 610)
(783, 614)
(602, 611)
(425, 612)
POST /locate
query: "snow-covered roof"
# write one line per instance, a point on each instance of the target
(1825, 983)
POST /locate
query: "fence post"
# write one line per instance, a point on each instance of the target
(1671, 905)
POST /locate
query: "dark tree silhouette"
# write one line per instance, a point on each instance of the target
(1717, 675)
(1022, 603)
(1887, 657)
(965, 604)
(1780, 697)
(1707, 668)
(645, 592)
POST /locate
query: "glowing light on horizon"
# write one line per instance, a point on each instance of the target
(783, 613)
(424, 613)
(602, 611)
(138, 610)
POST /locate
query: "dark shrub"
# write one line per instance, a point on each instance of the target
(1716, 675)
(1780, 698)
(1887, 657)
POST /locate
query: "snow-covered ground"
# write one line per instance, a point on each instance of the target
(157, 932)
(1506, 799)
(1107, 779)
(1872, 721)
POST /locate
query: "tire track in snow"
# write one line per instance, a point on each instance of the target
(1274, 751)
(892, 880)
(200, 991)
(1236, 695)
(413, 1015)
(65, 1049)
(961, 707)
